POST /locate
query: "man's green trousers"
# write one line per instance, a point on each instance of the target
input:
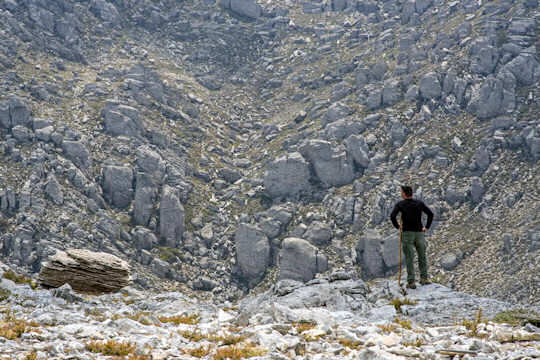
(415, 240)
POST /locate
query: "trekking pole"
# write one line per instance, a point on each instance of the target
(402, 289)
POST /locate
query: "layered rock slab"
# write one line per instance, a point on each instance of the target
(85, 271)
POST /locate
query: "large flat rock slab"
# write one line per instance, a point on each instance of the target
(85, 271)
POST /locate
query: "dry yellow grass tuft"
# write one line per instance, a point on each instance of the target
(228, 339)
(111, 348)
(19, 279)
(237, 352)
(304, 325)
(192, 319)
(404, 323)
(397, 302)
(472, 325)
(31, 356)
(199, 352)
(416, 343)
(192, 335)
(351, 344)
(387, 328)
(4, 294)
(12, 328)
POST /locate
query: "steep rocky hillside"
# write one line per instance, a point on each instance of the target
(220, 146)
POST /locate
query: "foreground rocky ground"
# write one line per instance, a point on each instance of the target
(334, 317)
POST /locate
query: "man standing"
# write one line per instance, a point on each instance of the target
(413, 233)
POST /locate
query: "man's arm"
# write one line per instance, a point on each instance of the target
(429, 215)
(393, 216)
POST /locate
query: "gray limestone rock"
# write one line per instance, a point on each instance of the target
(374, 98)
(318, 233)
(15, 111)
(336, 111)
(369, 254)
(492, 98)
(481, 158)
(171, 217)
(287, 175)
(342, 128)
(22, 134)
(66, 292)
(229, 175)
(54, 190)
(77, 152)
(333, 167)
(144, 239)
(252, 253)
(19, 112)
(105, 11)
(430, 86)
(391, 93)
(247, 8)
(161, 268)
(450, 261)
(485, 60)
(525, 68)
(358, 149)
(121, 120)
(299, 260)
(145, 197)
(477, 190)
(118, 185)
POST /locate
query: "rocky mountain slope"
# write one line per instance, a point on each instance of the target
(218, 147)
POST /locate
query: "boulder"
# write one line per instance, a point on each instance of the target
(252, 253)
(105, 11)
(247, 8)
(477, 190)
(358, 149)
(485, 60)
(77, 153)
(150, 162)
(450, 260)
(430, 86)
(392, 92)
(494, 97)
(121, 120)
(118, 185)
(338, 5)
(374, 98)
(333, 167)
(171, 218)
(335, 112)
(54, 190)
(342, 128)
(319, 233)
(481, 159)
(145, 196)
(287, 175)
(229, 175)
(525, 68)
(299, 260)
(85, 271)
(15, 112)
(369, 254)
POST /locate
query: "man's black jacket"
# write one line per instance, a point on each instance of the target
(411, 214)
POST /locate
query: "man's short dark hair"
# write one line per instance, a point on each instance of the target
(407, 190)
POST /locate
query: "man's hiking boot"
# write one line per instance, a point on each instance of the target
(411, 285)
(424, 282)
